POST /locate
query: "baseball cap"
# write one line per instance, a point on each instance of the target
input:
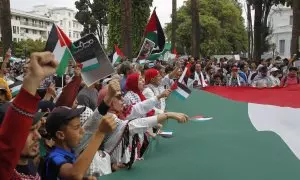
(61, 116)
(4, 107)
(274, 69)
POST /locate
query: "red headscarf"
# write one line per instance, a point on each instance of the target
(150, 74)
(132, 85)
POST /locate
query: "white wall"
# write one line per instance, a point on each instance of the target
(280, 21)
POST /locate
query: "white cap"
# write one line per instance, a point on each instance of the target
(274, 69)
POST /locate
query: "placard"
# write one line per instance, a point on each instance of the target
(92, 59)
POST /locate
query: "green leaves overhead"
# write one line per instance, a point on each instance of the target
(140, 15)
(222, 29)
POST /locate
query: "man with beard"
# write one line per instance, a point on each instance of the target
(26, 168)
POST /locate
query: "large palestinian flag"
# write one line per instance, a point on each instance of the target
(253, 135)
(61, 46)
(155, 33)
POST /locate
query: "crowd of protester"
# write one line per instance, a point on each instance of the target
(78, 132)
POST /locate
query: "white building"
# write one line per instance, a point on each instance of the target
(281, 22)
(37, 23)
(63, 17)
(29, 26)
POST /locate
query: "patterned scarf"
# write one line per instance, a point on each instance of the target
(21, 176)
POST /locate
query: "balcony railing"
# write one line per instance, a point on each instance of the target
(33, 24)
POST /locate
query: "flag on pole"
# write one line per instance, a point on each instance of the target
(181, 91)
(61, 46)
(118, 55)
(155, 33)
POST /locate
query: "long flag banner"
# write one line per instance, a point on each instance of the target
(61, 46)
(92, 59)
(254, 134)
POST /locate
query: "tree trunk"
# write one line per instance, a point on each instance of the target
(250, 31)
(258, 30)
(126, 28)
(5, 24)
(296, 27)
(174, 24)
(195, 29)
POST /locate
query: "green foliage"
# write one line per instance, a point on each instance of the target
(114, 21)
(222, 29)
(93, 16)
(140, 14)
(27, 46)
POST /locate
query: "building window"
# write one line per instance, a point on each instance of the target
(26, 30)
(291, 20)
(73, 24)
(34, 31)
(69, 14)
(18, 30)
(14, 30)
(61, 23)
(15, 39)
(69, 24)
(70, 34)
(281, 46)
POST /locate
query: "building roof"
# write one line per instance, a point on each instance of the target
(62, 8)
(30, 15)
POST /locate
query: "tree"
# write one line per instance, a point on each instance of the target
(258, 7)
(139, 16)
(126, 26)
(195, 28)
(261, 29)
(296, 27)
(174, 25)
(93, 17)
(24, 48)
(5, 24)
(222, 29)
(250, 30)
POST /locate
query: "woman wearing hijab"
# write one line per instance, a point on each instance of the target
(134, 86)
(118, 142)
(154, 88)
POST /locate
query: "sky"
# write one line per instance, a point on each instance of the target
(163, 7)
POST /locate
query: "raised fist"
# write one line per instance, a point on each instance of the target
(108, 124)
(41, 65)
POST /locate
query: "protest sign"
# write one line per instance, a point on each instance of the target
(92, 60)
(146, 49)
